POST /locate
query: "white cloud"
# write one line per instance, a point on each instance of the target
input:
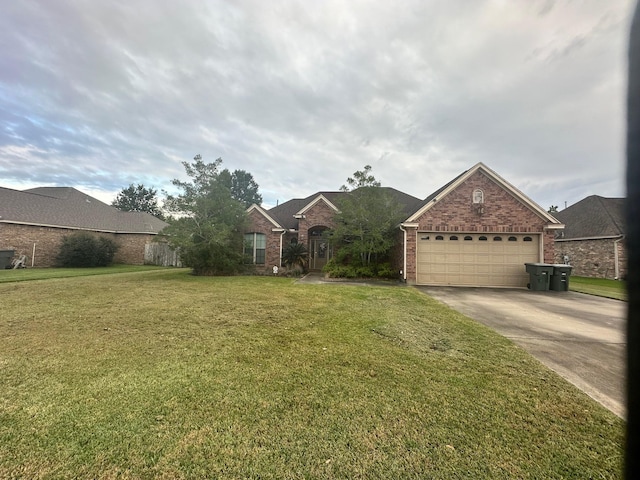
(302, 94)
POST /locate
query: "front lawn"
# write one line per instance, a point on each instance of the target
(24, 274)
(161, 374)
(601, 287)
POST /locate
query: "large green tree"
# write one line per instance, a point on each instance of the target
(138, 198)
(242, 185)
(365, 225)
(207, 224)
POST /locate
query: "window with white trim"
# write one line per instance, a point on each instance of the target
(478, 196)
(255, 245)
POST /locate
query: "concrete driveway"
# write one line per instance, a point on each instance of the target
(579, 336)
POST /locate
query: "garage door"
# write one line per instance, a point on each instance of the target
(472, 259)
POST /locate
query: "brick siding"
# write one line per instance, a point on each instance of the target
(259, 224)
(593, 258)
(501, 213)
(47, 240)
(320, 215)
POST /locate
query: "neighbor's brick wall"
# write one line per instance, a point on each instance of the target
(502, 213)
(47, 239)
(259, 224)
(593, 258)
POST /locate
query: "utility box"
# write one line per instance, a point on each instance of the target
(539, 276)
(560, 278)
(5, 258)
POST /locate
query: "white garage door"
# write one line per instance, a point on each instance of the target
(473, 259)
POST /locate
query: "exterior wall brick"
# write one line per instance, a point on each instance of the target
(501, 213)
(593, 258)
(259, 224)
(47, 240)
(320, 215)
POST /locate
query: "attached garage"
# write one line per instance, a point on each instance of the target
(478, 230)
(475, 259)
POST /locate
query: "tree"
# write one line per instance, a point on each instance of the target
(208, 224)
(138, 198)
(243, 187)
(366, 222)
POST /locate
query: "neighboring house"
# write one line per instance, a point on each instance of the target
(33, 223)
(477, 230)
(593, 241)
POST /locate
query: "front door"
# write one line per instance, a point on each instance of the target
(320, 253)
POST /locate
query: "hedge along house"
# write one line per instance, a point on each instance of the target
(478, 230)
(593, 242)
(33, 223)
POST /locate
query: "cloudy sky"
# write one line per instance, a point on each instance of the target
(100, 94)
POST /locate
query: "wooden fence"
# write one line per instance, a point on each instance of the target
(161, 254)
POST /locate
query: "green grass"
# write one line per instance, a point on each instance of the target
(601, 287)
(24, 274)
(161, 374)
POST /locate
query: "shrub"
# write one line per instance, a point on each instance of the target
(86, 250)
(295, 255)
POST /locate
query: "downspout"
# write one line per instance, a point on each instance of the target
(281, 237)
(615, 257)
(404, 255)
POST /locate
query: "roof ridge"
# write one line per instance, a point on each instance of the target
(605, 207)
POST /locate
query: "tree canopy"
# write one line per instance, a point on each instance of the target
(365, 225)
(242, 185)
(208, 223)
(138, 198)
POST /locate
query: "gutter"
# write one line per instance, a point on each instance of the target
(86, 229)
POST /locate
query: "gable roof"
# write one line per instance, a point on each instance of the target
(593, 217)
(262, 212)
(66, 207)
(286, 212)
(431, 200)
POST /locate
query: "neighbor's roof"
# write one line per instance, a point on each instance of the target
(593, 217)
(285, 213)
(66, 207)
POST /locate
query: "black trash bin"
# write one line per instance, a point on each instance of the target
(560, 278)
(539, 276)
(5, 258)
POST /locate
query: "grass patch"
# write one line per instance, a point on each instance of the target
(167, 375)
(601, 287)
(24, 274)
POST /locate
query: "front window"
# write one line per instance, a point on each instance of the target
(255, 245)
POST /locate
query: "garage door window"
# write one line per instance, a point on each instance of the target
(513, 239)
(453, 237)
(439, 237)
(527, 239)
(468, 237)
(483, 238)
(497, 239)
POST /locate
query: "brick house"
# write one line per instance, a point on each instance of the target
(477, 230)
(593, 241)
(33, 223)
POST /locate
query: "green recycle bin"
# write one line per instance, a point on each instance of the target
(560, 278)
(5, 258)
(539, 276)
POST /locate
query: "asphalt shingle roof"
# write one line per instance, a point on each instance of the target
(70, 208)
(284, 213)
(593, 217)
